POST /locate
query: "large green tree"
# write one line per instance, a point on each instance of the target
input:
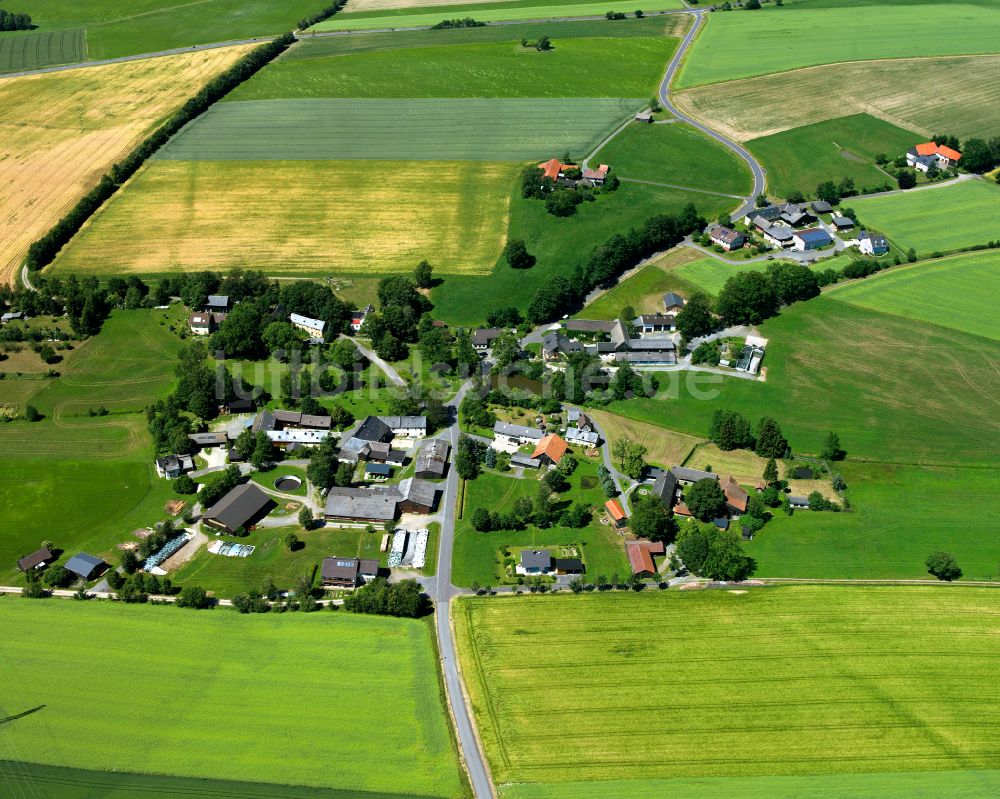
(706, 499)
(747, 298)
(771, 443)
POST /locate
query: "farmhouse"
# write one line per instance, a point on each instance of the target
(644, 351)
(655, 323)
(209, 440)
(872, 243)
(923, 156)
(406, 426)
(36, 560)
(173, 466)
(615, 514)
(581, 420)
(776, 235)
(515, 434)
(811, 239)
(688, 477)
(550, 449)
(294, 437)
(202, 324)
(725, 237)
(483, 338)
(217, 303)
(555, 343)
(85, 566)
(347, 572)
(314, 327)
(736, 496)
(673, 302)
(432, 459)
(553, 169)
(795, 214)
(241, 508)
(769, 213)
(358, 318)
(597, 176)
(665, 488)
(535, 561)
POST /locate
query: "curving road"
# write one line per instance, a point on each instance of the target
(759, 178)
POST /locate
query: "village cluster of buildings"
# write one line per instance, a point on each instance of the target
(931, 154)
(217, 308)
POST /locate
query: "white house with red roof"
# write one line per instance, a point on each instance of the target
(924, 156)
(358, 318)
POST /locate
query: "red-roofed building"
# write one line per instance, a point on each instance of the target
(928, 154)
(598, 175)
(550, 449)
(640, 559)
(615, 513)
(736, 495)
(553, 168)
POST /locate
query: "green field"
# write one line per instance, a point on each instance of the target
(936, 219)
(922, 292)
(801, 680)
(644, 291)
(32, 50)
(484, 12)
(476, 557)
(741, 45)
(196, 669)
(584, 67)
(443, 129)
(560, 244)
(675, 153)
(125, 27)
(710, 274)
(802, 158)
(896, 390)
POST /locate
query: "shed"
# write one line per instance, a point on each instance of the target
(616, 513)
(35, 560)
(85, 566)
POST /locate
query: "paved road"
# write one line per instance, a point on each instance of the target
(387, 370)
(444, 592)
(759, 179)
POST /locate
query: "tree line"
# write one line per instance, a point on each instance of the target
(319, 16)
(44, 250)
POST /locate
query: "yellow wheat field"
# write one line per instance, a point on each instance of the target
(926, 95)
(59, 132)
(300, 218)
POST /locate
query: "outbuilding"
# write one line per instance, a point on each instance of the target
(85, 566)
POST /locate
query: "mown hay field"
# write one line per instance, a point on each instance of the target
(779, 39)
(784, 681)
(32, 50)
(575, 67)
(801, 158)
(299, 218)
(664, 447)
(678, 154)
(927, 95)
(226, 705)
(61, 131)
(445, 129)
(710, 274)
(959, 292)
(500, 12)
(936, 219)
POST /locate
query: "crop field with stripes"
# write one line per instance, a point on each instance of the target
(33, 50)
(771, 682)
(501, 129)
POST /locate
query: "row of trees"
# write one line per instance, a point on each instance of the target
(44, 250)
(319, 16)
(405, 598)
(731, 430)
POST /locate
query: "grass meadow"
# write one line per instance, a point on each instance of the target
(314, 218)
(926, 291)
(780, 39)
(664, 447)
(678, 154)
(441, 129)
(896, 390)
(938, 219)
(802, 158)
(955, 93)
(643, 291)
(313, 703)
(576, 67)
(476, 555)
(126, 27)
(492, 12)
(795, 680)
(20, 51)
(710, 274)
(61, 131)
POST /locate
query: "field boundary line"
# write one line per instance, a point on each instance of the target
(877, 581)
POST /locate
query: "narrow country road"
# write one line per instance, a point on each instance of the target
(387, 370)
(759, 179)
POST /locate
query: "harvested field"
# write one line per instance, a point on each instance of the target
(408, 130)
(61, 131)
(306, 218)
(19, 51)
(927, 95)
(959, 292)
(939, 218)
(664, 447)
(779, 39)
(796, 680)
(748, 467)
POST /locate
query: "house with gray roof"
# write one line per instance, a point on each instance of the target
(241, 508)
(406, 426)
(665, 487)
(769, 213)
(524, 461)
(872, 243)
(821, 207)
(314, 327)
(218, 303)
(672, 301)
(432, 459)
(554, 343)
(85, 566)
(483, 338)
(842, 222)
(686, 476)
(535, 561)
(360, 505)
(206, 440)
(516, 433)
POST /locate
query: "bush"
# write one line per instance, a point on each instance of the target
(185, 485)
(378, 597)
(59, 576)
(194, 596)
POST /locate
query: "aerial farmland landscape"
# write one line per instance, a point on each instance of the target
(500, 399)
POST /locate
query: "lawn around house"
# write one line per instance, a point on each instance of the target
(767, 683)
(194, 665)
(936, 219)
(741, 45)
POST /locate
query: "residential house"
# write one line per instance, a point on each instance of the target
(673, 302)
(535, 561)
(583, 438)
(313, 327)
(36, 560)
(736, 496)
(615, 514)
(347, 572)
(483, 338)
(173, 466)
(358, 318)
(872, 243)
(406, 426)
(769, 213)
(795, 214)
(432, 459)
(550, 449)
(775, 235)
(218, 303)
(923, 156)
(665, 487)
(555, 343)
(85, 566)
(553, 169)
(203, 324)
(725, 237)
(515, 434)
(842, 222)
(811, 239)
(686, 476)
(209, 440)
(241, 508)
(641, 351)
(297, 437)
(597, 176)
(821, 207)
